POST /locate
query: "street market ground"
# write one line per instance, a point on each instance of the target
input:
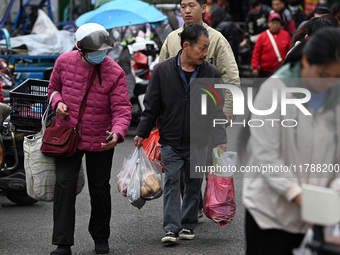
(27, 230)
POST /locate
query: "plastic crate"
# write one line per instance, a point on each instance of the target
(29, 101)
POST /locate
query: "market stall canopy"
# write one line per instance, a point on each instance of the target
(119, 13)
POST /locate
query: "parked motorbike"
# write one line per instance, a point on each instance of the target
(144, 60)
(12, 175)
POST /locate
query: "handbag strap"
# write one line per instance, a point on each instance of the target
(82, 105)
(272, 40)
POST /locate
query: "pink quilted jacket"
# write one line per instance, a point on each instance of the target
(108, 106)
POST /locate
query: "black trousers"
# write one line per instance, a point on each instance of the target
(98, 169)
(264, 74)
(269, 241)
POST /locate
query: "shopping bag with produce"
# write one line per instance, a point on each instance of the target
(152, 147)
(219, 199)
(133, 192)
(140, 179)
(219, 196)
(151, 177)
(125, 174)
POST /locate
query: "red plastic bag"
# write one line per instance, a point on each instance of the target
(1, 95)
(219, 199)
(152, 148)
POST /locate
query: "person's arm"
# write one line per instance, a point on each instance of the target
(255, 58)
(120, 108)
(226, 64)
(290, 27)
(164, 54)
(55, 85)
(265, 145)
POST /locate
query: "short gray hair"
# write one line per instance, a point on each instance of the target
(192, 33)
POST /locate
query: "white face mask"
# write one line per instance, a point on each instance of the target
(96, 57)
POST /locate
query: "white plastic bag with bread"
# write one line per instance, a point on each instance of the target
(151, 181)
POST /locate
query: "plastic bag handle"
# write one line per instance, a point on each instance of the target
(136, 168)
(138, 158)
(44, 117)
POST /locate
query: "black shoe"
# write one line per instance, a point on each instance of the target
(186, 234)
(62, 250)
(170, 237)
(102, 248)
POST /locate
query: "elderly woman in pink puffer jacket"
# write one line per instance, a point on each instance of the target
(107, 111)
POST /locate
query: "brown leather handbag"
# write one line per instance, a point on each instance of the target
(62, 142)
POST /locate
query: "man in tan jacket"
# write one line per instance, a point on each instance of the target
(220, 53)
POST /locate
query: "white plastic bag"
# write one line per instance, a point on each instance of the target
(134, 187)
(224, 162)
(125, 174)
(40, 169)
(43, 24)
(140, 179)
(151, 177)
(303, 250)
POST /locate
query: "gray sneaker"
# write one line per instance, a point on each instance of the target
(186, 234)
(170, 237)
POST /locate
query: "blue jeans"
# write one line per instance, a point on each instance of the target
(175, 215)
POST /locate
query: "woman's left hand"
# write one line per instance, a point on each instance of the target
(111, 143)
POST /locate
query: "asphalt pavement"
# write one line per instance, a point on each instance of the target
(27, 230)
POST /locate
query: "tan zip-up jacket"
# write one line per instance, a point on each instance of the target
(219, 54)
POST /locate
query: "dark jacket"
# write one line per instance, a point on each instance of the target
(287, 21)
(230, 31)
(298, 17)
(177, 110)
(257, 23)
